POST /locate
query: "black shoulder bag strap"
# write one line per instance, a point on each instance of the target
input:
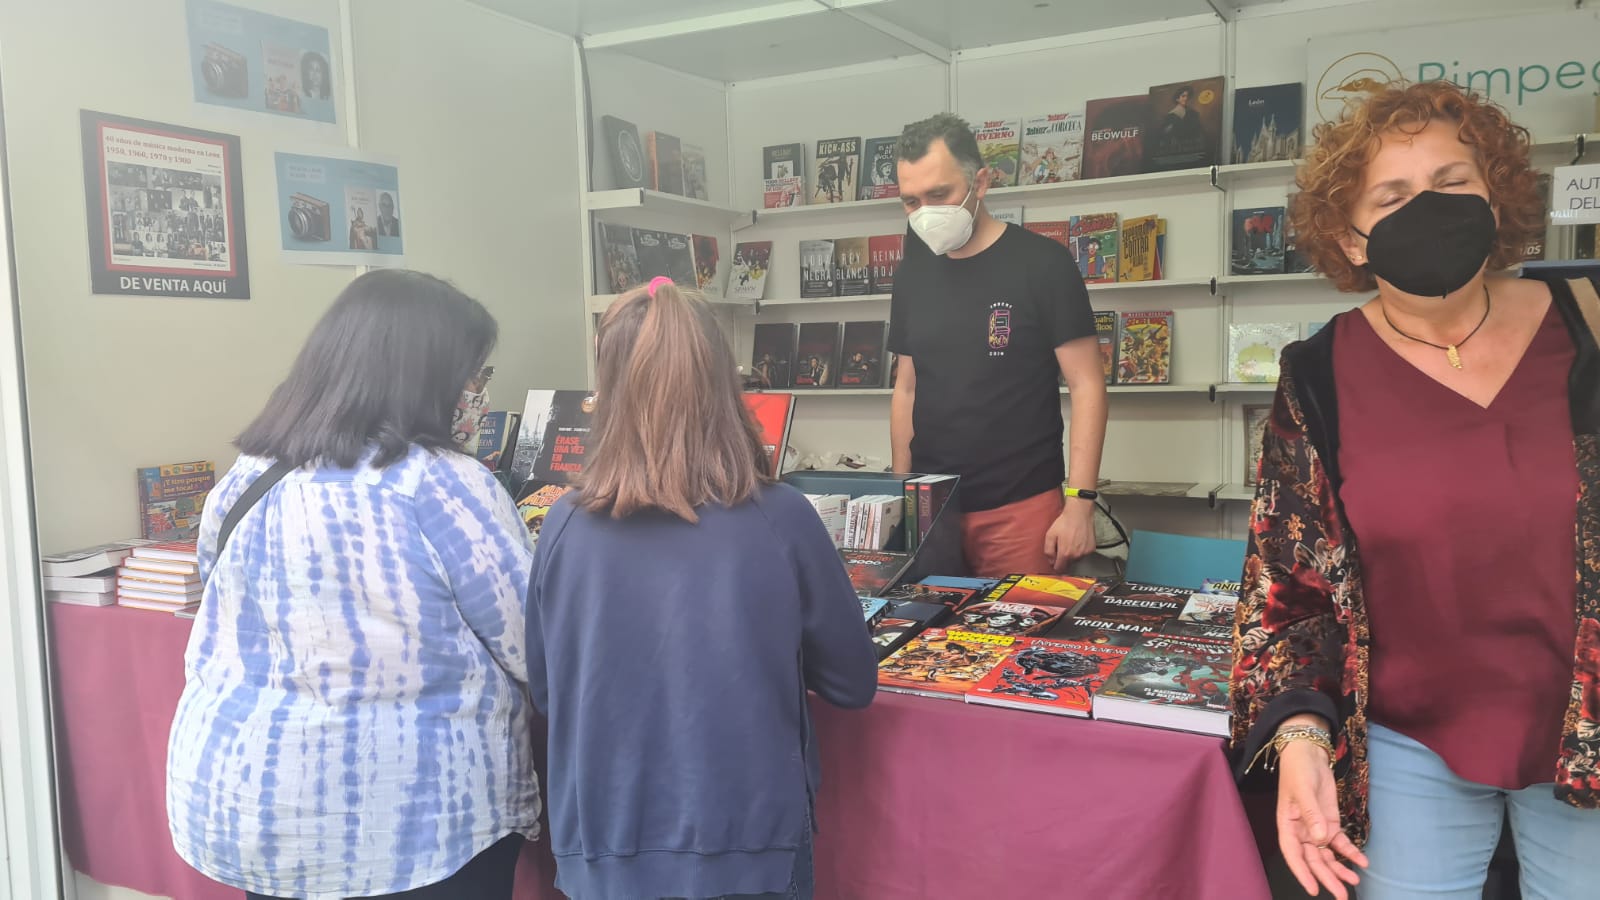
(253, 493)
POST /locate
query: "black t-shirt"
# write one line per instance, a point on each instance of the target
(982, 333)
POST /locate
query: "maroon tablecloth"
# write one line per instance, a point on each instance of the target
(924, 799)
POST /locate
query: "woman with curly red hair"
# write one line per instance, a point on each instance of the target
(1418, 629)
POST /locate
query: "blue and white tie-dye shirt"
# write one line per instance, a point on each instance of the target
(355, 717)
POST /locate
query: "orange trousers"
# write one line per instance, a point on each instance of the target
(1009, 540)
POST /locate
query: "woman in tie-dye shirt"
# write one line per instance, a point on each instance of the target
(355, 717)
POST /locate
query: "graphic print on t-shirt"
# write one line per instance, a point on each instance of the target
(999, 328)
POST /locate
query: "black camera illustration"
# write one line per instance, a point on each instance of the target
(309, 219)
(225, 71)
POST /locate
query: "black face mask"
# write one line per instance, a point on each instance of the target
(1432, 245)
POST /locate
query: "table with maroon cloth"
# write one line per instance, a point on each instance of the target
(921, 798)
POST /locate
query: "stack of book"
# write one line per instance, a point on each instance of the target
(162, 577)
(85, 577)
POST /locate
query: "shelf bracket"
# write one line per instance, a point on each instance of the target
(1211, 392)
(1580, 145)
(1213, 285)
(1215, 181)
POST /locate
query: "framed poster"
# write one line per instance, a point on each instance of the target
(165, 208)
(249, 60)
(339, 210)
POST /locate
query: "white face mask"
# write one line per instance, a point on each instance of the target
(943, 228)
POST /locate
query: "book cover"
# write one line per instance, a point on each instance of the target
(872, 610)
(680, 259)
(1094, 245)
(535, 503)
(1185, 125)
(628, 163)
(886, 251)
(1015, 618)
(666, 162)
(748, 278)
(1149, 604)
(1105, 332)
(1057, 230)
(863, 354)
(1266, 123)
(650, 249)
(553, 438)
(706, 260)
(694, 172)
(772, 359)
(1144, 348)
(1047, 590)
(1138, 260)
(817, 359)
(1254, 349)
(493, 434)
(1049, 676)
(1204, 615)
(1052, 148)
(783, 161)
(817, 277)
(891, 633)
(851, 267)
(778, 193)
(943, 663)
(1257, 241)
(950, 597)
(620, 257)
(171, 498)
(879, 169)
(774, 414)
(1296, 262)
(1114, 136)
(999, 140)
(1256, 416)
(838, 170)
(1170, 682)
(874, 571)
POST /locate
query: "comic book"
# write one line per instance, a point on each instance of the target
(1014, 618)
(999, 140)
(1052, 148)
(879, 169)
(943, 663)
(1114, 136)
(1049, 676)
(1094, 245)
(1170, 682)
(873, 572)
(1144, 348)
(1140, 259)
(1105, 331)
(838, 170)
(171, 498)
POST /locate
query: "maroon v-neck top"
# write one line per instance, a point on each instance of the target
(1464, 516)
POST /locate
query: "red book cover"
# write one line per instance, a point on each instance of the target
(1008, 617)
(773, 414)
(1055, 231)
(1114, 136)
(874, 571)
(884, 252)
(943, 663)
(1048, 590)
(1043, 675)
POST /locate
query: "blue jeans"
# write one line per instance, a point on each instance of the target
(1434, 833)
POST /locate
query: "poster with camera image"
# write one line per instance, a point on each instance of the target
(339, 211)
(244, 59)
(165, 209)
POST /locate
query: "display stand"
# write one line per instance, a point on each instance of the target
(938, 552)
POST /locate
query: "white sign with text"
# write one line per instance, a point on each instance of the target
(1575, 195)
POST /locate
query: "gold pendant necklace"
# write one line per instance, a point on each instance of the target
(1452, 352)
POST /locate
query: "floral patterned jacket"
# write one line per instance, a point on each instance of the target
(1302, 637)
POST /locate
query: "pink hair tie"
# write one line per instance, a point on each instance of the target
(656, 282)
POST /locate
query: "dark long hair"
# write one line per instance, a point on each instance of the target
(385, 367)
(671, 431)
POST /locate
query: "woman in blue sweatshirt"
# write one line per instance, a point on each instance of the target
(680, 606)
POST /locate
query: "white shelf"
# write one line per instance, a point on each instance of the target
(1110, 389)
(1201, 491)
(671, 204)
(1292, 278)
(1236, 493)
(813, 301)
(1263, 387)
(599, 303)
(1119, 286)
(853, 209)
(1282, 169)
(1195, 179)
(834, 392)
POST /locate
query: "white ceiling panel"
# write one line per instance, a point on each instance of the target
(769, 49)
(585, 17)
(965, 24)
